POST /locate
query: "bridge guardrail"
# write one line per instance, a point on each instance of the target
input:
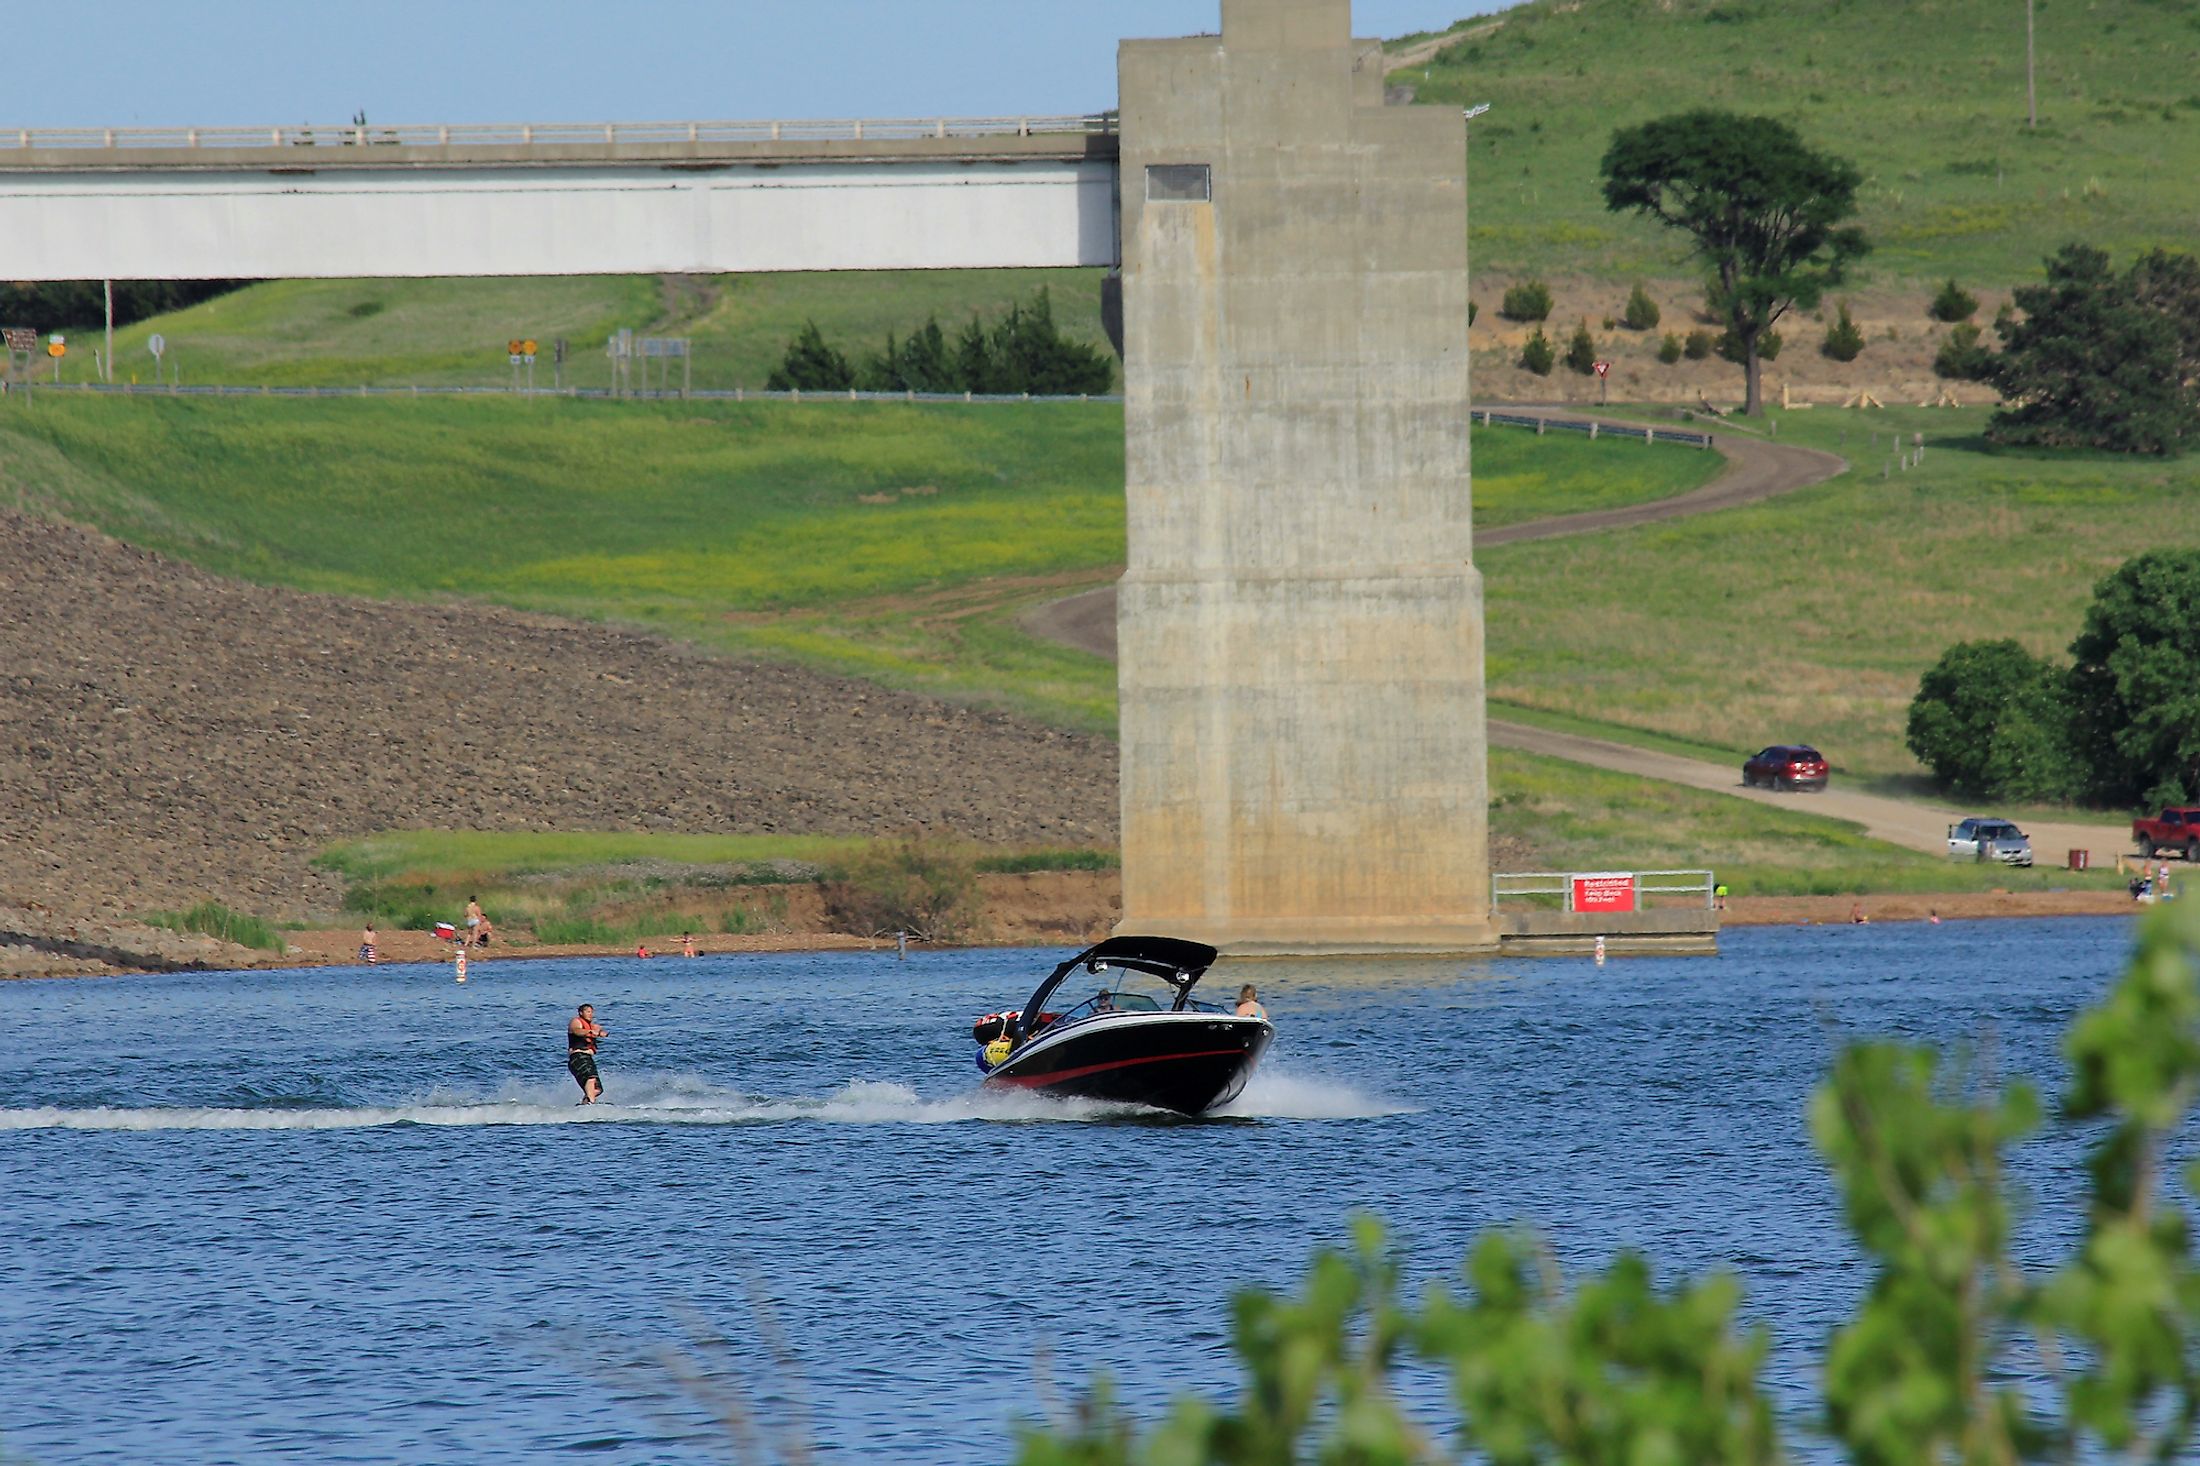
(530, 134)
(1592, 429)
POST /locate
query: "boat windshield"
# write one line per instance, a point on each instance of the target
(1125, 991)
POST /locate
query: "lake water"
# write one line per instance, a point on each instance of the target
(354, 1215)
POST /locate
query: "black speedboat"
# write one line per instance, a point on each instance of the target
(1130, 1041)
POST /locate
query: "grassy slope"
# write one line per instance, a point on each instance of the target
(886, 541)
(322, 333)
(1926, 97)
(1811, 618)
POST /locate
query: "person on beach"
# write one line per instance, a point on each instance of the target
(687, 944)
(473, 917)
(581, 1038)
(1248, 1004)
(483, 932)
(367, 946)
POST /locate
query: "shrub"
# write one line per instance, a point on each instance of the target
(212, 919)
(1844, 342)
(919, 884)
(1729, 347)
(1699, 347)
(1530, 300)
(1962, 358)
(1954, 303)
(1989, 721)
(811, 365)
(1581, 351)
(1537, 355)
(1642, 312)
(1670, 349)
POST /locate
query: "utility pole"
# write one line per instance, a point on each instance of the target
(2031, 75)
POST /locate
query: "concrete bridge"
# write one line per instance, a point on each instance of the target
(1304, 743)
(556, 199)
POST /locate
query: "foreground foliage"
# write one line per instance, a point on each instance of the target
(1622, 1368)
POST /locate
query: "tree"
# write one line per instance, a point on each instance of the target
(811, 365)
(1530, 300)
(1581, 351)
(1642, 312)
(1962, 358)
(1764, 211)
(1844, 342)
(2102, 361)
(919, 364)
(1953, 303)
(2134, 691)
(1537, 355)
(1988, 720)
(1669, 349)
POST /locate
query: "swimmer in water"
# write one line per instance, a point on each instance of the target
(581, 1038)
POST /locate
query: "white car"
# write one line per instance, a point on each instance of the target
(1992, 839)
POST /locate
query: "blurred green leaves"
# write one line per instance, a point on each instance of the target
(1619, 1369)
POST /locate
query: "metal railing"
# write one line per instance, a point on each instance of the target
(1541, 886)
(1592, 429)
(551, 134)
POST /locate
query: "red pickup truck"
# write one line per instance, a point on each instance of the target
(2176, 829)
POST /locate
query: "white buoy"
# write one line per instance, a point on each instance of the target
(462, 958)
(1600, 953)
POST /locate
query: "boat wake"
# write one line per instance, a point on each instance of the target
(1276, 1094)
(665, 1100)
(684, 1100)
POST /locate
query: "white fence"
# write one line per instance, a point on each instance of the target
(1540, 886)
(549, 134)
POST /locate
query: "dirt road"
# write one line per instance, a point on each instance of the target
(1897, 821)
(1754, 470)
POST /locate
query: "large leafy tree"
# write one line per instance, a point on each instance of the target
(2102, 360)
(2135, 689)
(1765, 212)
(1988, 720)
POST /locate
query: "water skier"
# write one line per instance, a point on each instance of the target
(581, 1037)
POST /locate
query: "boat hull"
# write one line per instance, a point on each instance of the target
(1189, 1063)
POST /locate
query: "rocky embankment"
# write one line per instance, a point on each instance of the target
(167, 736)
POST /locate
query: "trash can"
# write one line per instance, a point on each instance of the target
(2081, 860)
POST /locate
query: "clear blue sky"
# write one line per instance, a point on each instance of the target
(218, 63)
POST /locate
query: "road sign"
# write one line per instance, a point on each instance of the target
(57, 348)
(527, 347)
(1610, 891)
(20, 338)
(513, 347)
(1604, 369)
(156, 343)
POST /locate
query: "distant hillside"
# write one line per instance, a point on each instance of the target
(1927, 96)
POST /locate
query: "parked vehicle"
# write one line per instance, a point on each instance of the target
(1786, 766)
(2175, 829)
(1991, 839)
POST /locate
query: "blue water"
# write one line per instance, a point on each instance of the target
(354, 1215)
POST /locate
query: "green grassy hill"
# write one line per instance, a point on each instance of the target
(885, 541)
(1927, 96)
(343, 333)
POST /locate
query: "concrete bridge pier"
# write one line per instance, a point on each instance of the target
(1301, 627)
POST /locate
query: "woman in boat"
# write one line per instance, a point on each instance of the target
(1249, 1004)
